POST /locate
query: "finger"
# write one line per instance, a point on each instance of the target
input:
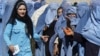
(46, 36)
(67, 28)
(46, 39)
(64, 29)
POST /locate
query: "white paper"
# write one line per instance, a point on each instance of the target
(17, 50)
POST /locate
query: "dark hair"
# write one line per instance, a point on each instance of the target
(58, 10)
(26, 19)
(75, 4)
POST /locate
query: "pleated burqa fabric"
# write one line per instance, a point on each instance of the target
(5, 18)
(92, 26)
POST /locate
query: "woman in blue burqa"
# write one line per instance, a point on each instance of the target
(88, 33)
(50, 20)
(91, 31)
(6, 9)
(44, 23)
(72, 21)
(66, 48)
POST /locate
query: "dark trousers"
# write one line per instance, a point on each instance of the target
(91, 49)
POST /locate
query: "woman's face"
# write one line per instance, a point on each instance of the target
(21, 10)
(72, 15)
(60, 12)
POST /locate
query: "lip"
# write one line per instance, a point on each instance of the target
(23, 13)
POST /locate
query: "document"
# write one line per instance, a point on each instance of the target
(17, 50)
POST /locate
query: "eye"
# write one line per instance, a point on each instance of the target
(24, 9)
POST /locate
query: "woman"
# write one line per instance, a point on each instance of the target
(88, 34)
(57, 43)
(18, 31)
(50, 21)
(72, 21)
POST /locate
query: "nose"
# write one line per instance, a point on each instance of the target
(23, 10)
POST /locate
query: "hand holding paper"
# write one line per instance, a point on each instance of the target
(17, 50)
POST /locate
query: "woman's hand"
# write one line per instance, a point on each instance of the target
(12, 49)
(56, 50)
(45, 38)
(68, 31)
(45, 28)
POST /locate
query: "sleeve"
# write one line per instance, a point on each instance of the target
(79, 38)
(7, 33)
(37, 37)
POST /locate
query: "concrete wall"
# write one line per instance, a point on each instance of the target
(70, 1)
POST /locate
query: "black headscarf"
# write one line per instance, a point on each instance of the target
(26, 19)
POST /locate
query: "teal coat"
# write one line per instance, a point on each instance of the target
(16, 35)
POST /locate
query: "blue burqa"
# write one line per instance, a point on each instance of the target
(5, 18)
(60, 24)
(91, 30)
(83, 13)
(45, 20)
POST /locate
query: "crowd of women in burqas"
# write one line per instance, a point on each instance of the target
(36, 28)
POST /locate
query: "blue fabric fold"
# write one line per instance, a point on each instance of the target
(71, 9)
(51, 43)
(93, 26)
(2, 7)
(74, 21)
(41, 22)
(37, 5)
(60, 24)
(5, 18)
(30, 7)
(83, 13)
(52, 13)
(65, 6)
